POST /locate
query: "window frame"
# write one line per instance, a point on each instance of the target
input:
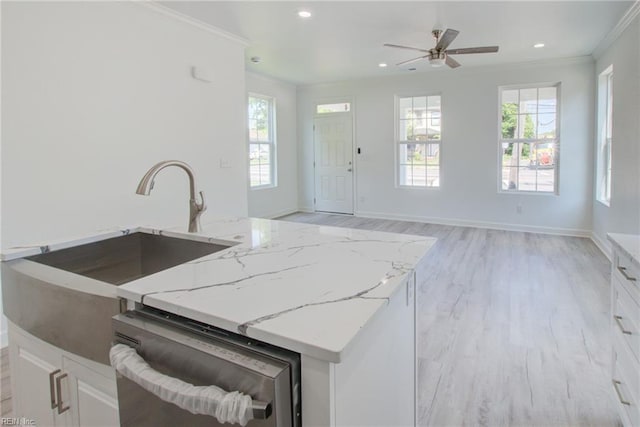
(271, 142)
(398, 142)
(604, 136)
(557, 160)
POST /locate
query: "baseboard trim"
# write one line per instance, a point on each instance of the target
(602, 244)
(279, 213)
(306, 209)
(480, 224)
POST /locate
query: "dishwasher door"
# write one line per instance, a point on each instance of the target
(202, 360)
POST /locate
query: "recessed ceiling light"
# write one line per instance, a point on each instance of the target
(382, 65)
(538, 45)
(304, 14)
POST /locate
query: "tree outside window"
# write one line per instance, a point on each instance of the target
(261, 141)
(529, 139)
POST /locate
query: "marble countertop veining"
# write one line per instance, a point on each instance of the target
(629, 244)
(308, 288)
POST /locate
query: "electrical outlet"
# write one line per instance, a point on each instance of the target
(225, 163)
(519, 208)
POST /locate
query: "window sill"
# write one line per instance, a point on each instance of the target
(262, 187)
(417, 187)
(529, 193)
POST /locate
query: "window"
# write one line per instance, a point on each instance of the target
(605, 133)
(262, 147)
(529, 139)
(343, 107)
(418, 141)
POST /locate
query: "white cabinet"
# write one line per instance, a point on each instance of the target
(33, 368)
(625, 329)
(56, 388)
(375, 382)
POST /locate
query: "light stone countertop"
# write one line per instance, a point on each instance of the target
(629, 244)
(307, 288)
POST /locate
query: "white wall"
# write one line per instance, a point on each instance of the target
(93, 94)
(623, 214)
(469, 154)
(282, 199)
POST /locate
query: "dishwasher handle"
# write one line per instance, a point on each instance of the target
(226, 407)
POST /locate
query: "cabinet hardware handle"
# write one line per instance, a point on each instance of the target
(620, 398)
(623, 271)
(619, 322)
(52, 392)
(61, 407)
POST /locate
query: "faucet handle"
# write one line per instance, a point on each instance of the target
(202, 205)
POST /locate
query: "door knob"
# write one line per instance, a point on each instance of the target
(349, 170)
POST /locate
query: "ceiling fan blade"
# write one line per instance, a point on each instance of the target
(464, 50)
(452, 62)
(412, 60)
(406, 47)
(446, 39)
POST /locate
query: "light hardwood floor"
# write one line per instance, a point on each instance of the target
(513, 327)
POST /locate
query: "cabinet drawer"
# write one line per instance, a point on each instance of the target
(628, 274)
(626, 383)
(625, 317)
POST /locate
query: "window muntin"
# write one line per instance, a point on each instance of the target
(261, 141)
(418, 140)
(529, 140)
(605, 135)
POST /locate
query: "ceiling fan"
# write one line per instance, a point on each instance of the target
(439, 55)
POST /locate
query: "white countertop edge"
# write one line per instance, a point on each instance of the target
(331, 355)
(629, 244)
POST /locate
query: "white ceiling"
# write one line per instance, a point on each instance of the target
(344, 40)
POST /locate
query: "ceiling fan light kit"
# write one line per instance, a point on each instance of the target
(440, 55)
(437, 60)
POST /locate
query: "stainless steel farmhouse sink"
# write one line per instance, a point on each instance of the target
(67, 297)
(123, 259)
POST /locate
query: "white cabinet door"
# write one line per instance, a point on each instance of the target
(93, 389)
(87, 388)
(33, 371)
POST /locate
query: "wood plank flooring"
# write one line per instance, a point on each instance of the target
(513, 327)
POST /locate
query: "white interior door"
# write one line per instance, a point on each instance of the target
(333, 142)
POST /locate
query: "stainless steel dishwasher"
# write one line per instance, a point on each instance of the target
(203, 355)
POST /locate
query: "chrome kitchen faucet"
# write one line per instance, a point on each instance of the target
(195, 208)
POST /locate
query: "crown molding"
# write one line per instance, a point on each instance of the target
(617, 31)
(166, 11)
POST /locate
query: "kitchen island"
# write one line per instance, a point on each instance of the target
(342, 298)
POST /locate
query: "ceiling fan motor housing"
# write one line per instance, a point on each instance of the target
(437, 58)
